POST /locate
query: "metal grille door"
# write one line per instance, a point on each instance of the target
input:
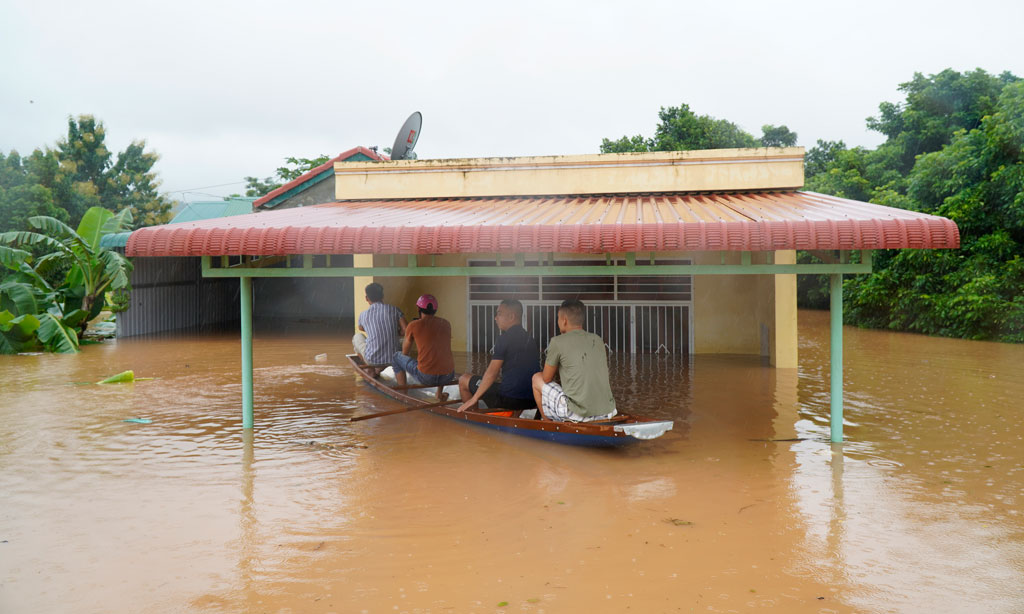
(662, 328)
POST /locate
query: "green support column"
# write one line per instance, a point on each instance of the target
(836, 393)
(246, 300)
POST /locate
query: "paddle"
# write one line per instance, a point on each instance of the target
(404, 409)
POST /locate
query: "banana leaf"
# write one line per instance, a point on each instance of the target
(119, 222)
(116, 268)
(12, 257)
(55, 227)
(91, 226)
(71, 298)
(19, 297)
(56, 336)
(25, 237)
(17, 334)
(75, 318)
(120, 378)
(44, 266)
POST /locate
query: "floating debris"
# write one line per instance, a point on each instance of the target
(138, 420)
(121, 378)
(679, 523)
(124, 377)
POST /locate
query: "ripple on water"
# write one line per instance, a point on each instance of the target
(916, 510)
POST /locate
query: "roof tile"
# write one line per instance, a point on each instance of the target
(564, 224)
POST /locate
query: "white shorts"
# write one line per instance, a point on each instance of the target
(556, 406)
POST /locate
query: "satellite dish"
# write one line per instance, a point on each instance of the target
(407, 137)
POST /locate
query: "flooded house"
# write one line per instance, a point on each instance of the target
(682, 253)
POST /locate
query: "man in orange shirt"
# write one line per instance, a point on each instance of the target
(433, 338)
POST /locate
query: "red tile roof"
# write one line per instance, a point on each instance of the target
(564, 224)
(260, 202)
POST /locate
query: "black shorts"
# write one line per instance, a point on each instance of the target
(497, 401)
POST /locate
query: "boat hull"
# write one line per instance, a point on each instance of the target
(602, 434)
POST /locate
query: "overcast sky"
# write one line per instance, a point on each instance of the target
(225, 90)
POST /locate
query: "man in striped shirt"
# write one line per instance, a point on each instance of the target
(384, 328)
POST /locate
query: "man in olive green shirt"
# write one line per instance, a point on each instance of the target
(581, 363)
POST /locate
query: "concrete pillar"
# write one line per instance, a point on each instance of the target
(784, 350)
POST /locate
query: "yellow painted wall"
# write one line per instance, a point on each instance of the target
(359, 286)
(734, 314)
(451, 293)
(675, 171)
(725, 313)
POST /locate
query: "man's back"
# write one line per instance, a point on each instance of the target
(433, 337)
(582, 363)
(383, 333)
(521, 359)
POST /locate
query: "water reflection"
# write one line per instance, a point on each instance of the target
(248, 520)
(911, 515)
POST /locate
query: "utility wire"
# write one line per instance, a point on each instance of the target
(206, 187)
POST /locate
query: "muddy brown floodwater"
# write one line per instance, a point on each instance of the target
(919, 511)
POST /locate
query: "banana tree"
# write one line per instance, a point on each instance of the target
(91, 271)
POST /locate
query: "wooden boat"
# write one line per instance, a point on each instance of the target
(621, 430)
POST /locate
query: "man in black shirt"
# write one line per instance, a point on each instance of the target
(516, 357)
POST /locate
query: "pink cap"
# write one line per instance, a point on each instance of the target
(427, 301)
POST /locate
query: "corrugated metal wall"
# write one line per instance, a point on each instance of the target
(171, 294)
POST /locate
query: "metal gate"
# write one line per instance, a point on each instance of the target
(634, 314)
(635, 328)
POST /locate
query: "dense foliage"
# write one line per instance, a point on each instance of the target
(64, 182)
(38, 313)
(954, 148)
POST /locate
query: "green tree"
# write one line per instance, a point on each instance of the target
(130, 183)
(293, 169)
(776, 136)
(819, 158)
(681, 129)
(22, 194)
(88, 175)
(936, 107)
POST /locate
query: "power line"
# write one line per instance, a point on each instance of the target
(206, 187)
(220, 196)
